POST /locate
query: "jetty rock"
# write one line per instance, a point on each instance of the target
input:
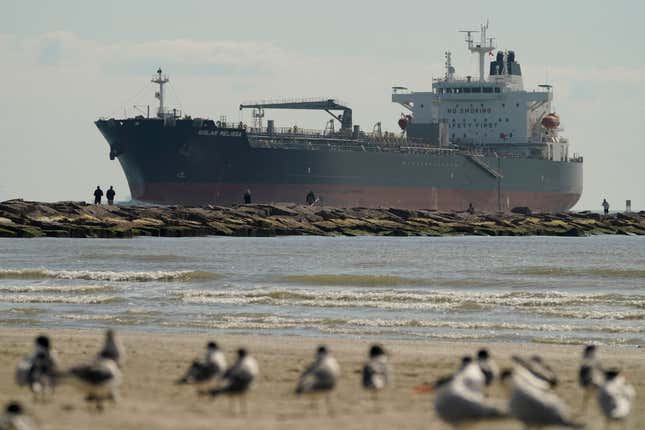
(21, 218)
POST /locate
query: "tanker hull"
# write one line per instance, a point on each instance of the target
(187, 164)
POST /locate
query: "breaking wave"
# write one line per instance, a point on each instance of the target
(76, 289)
(46, 298)
(89, 275)
(435, 300)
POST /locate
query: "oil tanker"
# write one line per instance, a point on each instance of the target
(481, 142)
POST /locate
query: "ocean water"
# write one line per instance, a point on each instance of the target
(529, 289)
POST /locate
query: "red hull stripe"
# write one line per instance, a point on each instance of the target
(355, 196)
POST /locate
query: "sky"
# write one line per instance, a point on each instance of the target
(64, 64)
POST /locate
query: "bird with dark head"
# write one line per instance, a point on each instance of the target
(376, 370)
(98, 380)
(615, 397)
(460, 399)
(532, 399)
(15, 418)
(203, 372)
(112, 348)
(238, 379)
(590, 375)
(487, 366)
(39, 371)
(320, 377)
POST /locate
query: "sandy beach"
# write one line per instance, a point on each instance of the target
(155, 360)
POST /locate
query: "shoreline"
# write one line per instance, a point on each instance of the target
(155, 360)
(22, 219)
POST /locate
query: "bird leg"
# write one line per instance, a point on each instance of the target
(330, 409)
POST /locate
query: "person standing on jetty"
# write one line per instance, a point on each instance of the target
(605, 206)
(311, 198)
(98, 193)
(247, 197)
(110, 195)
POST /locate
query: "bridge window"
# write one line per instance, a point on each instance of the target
(449, 90)
(465, 90)
(497, 89)
(488, 89)
(477, 90)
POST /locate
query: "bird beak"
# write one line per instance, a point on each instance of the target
(423, 388)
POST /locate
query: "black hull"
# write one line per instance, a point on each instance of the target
(187, 164)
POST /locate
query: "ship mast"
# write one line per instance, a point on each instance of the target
(161, 80)
(484, 46)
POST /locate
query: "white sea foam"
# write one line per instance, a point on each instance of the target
(91, 275)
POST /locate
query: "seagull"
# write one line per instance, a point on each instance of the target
(15, 418)
(487, 366)
(615, 397)
(471, 374)
(113, 349)
(320, 377)
(99, 380)
(459, 401)
(39, 371)
(238, 379)
(535, 372)
(590, 375)
(203, 372)
(376, 371)
(534, 403)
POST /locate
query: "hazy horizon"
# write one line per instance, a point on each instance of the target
(67, 63)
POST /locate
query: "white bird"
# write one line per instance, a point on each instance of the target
(15, 418)
(458, 402)
(113, 348)
(238, 379)
(471, 374)
(203, 372)
(615, 397)
(376, 370)
(533, 403)
(99, 380)
(590, 375)
(39, 371)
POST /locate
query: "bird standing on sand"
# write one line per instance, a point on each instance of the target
(321, 376)
(615, 397)
(113, 349)
(488, 366)
(99, 380)
(459, 397)
(533, 402)
(15, 418)
(376, 371)
(590, 375)
(39, 371)
(238, 379)
(203, 372)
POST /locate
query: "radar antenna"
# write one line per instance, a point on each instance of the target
(485, 45)
(160, 79)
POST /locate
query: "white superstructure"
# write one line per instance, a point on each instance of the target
(488, 113)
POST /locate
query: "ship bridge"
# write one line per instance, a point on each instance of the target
(328, 105)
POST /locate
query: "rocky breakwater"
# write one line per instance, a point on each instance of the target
(19, 218)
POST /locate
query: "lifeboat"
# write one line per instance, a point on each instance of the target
(551, 121)
(404, 121)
